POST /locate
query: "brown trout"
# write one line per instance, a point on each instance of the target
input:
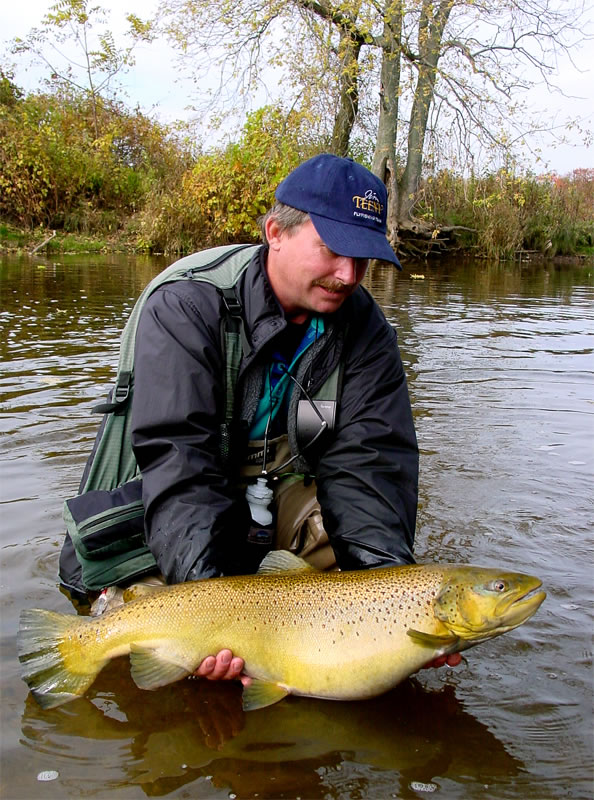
(335, 635)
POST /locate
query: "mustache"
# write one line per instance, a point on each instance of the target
(335, 286)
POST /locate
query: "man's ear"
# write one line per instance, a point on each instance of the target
(273, 233)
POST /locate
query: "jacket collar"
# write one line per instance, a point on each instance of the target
(263, 316)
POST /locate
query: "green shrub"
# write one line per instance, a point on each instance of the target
(220, 198)
(55, 171)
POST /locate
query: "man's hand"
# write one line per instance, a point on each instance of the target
(452, 661)
(223, 667)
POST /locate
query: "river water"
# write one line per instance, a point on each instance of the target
(500, 360)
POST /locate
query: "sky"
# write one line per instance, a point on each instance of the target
(157, 86)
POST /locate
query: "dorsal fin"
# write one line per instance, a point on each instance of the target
(283, 561)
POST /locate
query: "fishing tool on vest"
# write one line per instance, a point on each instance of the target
(259, 496)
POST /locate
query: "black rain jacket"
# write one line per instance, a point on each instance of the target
(366, 470)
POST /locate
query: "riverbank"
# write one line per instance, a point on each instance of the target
(47, 242)
(108, 179)
(42, 241)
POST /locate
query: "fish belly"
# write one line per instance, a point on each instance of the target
(353, 665)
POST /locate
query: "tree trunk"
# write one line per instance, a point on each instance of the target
(349, 50)
(384, 158)
(431, 30)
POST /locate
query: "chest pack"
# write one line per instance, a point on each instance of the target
(105, 521)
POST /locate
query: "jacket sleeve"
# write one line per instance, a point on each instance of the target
(195, 520)
(368, 476)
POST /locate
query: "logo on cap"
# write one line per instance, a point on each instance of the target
(368, 202)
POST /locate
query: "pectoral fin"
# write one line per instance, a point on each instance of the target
(152, 667)
(446, 644)
(260, 694)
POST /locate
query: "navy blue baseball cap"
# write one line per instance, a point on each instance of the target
(346, 202)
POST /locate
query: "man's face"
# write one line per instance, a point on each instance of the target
(305, 275)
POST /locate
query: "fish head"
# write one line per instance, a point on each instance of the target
(477, 604)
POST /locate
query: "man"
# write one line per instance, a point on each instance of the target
(305, 316)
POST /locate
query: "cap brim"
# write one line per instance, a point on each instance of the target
(354, 241)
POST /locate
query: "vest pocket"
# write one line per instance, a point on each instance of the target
(107, 531)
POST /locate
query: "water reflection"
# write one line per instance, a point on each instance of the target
(196, 731)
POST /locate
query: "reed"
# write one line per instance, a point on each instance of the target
(512, 213)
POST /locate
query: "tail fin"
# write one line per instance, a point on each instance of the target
(43, 639)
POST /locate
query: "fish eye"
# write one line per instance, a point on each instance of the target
(499, 586)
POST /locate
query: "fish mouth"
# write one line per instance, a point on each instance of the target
(521, 605)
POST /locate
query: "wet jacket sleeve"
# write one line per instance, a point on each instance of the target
(195, 521)
(368, 476)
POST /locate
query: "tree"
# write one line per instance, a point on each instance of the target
(399, 72)
(77, 55)
(10, 94)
